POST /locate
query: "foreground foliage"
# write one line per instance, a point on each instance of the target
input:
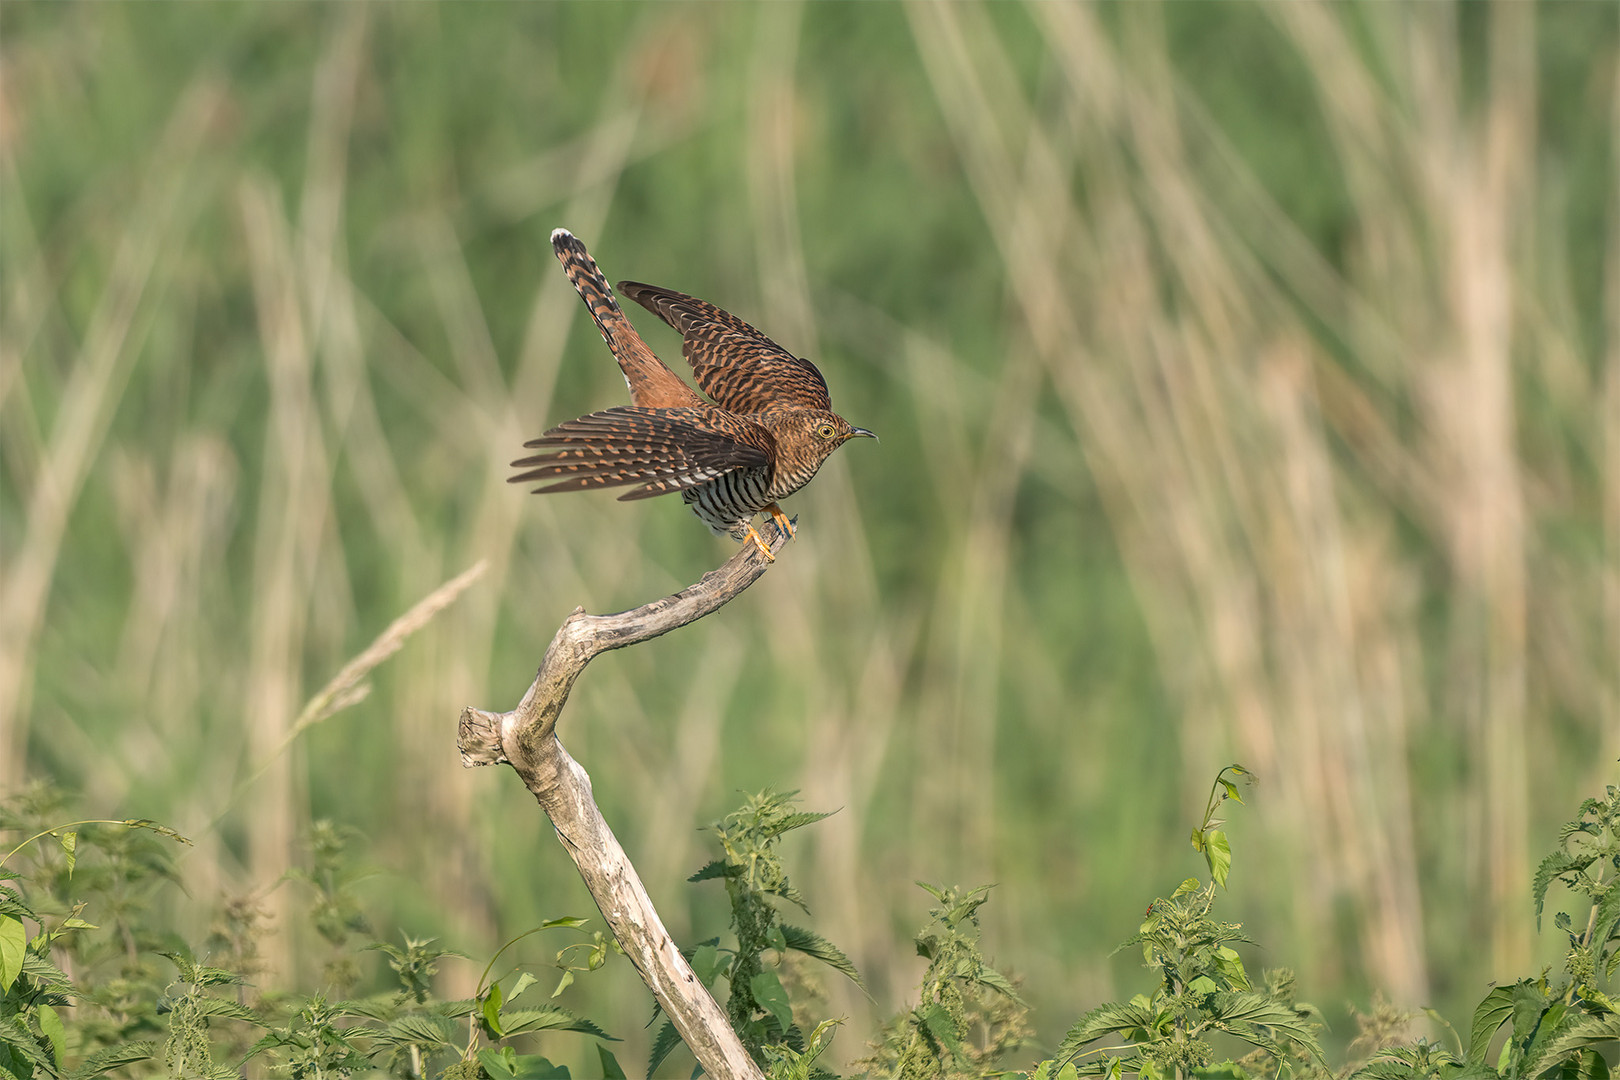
(83, 999)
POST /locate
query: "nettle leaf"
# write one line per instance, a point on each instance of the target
(768, 992)
(1557, 1019)
(1529, 1003)
(1491, 1014)
(11, 903)
(1559, 862)
(664, 1044)
(995, 980)
(799, 821)
(1584, 1032)
(112, 1057)
(519, 1021)
(813, 944)
(715, 868)
(1243, 1012)
(211, 1007)
(1607, 919)
(1104, 1020)
(15, 1033)
(435, 1031)
(939, 1025)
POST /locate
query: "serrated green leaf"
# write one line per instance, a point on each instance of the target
(714, 868)
(768, 992)
(1607, 919)
(798, 821)
(1491, 1014)
(812, 944)
(1529, 1003)
(1591, 1066)
(15, 1033)
(664, 1044)
(938, 1023)
(1585, 1032)
(551, 1018)
(1559, 862)
(231, 1010)
(420, 1030)
(1103, 1020)
(112, 1057)
(12, 904)
(13, 947)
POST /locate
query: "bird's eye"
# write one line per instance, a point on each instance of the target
(826, 431)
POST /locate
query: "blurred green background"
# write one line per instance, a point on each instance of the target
(1248, 385)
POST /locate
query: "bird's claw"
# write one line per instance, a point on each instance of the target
(783, 522)
(759, 542)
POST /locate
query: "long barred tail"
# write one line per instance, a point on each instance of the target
(652, 383)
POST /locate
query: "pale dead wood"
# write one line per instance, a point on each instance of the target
(526, 739)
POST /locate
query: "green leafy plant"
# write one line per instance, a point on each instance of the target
(1556, 1028)
(961, 996)
(34, 1039)
(1203, 989)
(758, 1003)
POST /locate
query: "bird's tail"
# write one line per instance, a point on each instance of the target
(652, 384)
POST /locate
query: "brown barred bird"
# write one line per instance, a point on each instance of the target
(764, 435)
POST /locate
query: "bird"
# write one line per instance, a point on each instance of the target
(760, 435)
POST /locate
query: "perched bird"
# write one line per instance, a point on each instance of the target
(764, 435)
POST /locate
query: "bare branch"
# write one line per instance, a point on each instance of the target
(526, 739)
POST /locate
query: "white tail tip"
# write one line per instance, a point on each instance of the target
(558, 234)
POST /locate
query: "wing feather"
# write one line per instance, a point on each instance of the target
(739, 367)
(660, 450)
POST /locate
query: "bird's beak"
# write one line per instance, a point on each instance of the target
(861, 431)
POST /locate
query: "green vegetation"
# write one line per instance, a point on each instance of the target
(969, 1020)
(1246, 383)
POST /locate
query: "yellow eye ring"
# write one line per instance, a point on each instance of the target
(826, 431)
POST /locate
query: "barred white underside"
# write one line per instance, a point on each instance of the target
(729, 503)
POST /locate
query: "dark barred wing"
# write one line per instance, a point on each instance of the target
(658, 449)
(651, 381)
(736, 365)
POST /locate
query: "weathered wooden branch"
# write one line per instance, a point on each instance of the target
(526, 739)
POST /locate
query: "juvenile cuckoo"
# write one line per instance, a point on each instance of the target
(767, 430)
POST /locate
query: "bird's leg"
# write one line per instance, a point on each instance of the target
(781, 519)
(759, 542)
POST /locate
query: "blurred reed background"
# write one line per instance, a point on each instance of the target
(1248, 385)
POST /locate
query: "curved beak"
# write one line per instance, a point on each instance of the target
(853, 432)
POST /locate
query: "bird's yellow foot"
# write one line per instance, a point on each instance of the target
(781, 519)
(759, 542)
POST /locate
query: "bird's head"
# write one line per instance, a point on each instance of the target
(819, 432)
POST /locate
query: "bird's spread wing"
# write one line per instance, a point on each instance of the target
(658, 449)
(650, 380)
(739, 367)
